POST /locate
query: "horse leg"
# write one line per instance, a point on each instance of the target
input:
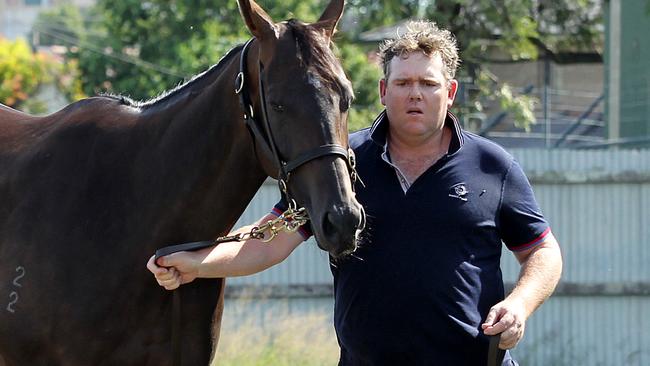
(201, 300)
(216, 322)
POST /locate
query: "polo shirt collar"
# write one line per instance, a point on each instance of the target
(379, 131)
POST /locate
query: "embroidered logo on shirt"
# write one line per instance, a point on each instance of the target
(459, 190)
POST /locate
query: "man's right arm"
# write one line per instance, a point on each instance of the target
(224, 260)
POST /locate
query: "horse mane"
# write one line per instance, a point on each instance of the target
(196, 82)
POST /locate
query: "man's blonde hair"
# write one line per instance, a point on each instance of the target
(426, 37)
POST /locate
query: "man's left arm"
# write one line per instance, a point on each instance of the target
(541, 267)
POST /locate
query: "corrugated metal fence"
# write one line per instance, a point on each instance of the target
(598, 204)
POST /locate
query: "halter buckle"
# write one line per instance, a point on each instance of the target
(352, 159)
(239, 82)
(283, 185)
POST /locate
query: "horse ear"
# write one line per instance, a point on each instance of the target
(330, 17)
(257, 20)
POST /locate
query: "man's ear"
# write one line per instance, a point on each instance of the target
(382, 90)
(451, 92)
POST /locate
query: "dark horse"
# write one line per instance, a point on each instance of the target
(87, 194)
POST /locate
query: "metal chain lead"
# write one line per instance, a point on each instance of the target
(290, 221)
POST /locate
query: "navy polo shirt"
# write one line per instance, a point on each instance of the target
(427, 269)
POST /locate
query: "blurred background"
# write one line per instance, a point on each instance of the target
(564, 85)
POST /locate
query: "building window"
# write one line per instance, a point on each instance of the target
(33, 2)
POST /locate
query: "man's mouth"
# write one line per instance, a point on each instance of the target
(414, 111)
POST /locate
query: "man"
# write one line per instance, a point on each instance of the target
(424, 287)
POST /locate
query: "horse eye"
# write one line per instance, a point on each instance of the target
(344, 104)
(277, 107)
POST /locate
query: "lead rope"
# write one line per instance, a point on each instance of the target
(495, 354)
(290, 221)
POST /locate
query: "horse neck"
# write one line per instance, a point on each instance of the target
(208, 171)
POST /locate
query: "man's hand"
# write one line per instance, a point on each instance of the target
(238, 258)
(174, 270)
(508, 318)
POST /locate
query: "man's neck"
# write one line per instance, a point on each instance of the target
(416, 148)
(414, 157)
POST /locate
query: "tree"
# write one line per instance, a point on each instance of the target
(23, 71)
(141, 49)
(519, 26)
(57, 26)
(364, 75)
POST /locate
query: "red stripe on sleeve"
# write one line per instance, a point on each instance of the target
(533, 242)
(276, 211)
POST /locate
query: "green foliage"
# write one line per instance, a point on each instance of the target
(143, 48)
(523, 22)
(23, 71)
(20, 71)
(364, 75)
(521, 107)
(58, 26)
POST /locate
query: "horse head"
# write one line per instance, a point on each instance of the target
(303, 95)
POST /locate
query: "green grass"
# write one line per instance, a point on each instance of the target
(284, 339)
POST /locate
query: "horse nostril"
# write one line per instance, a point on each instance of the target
(329, 228)
(339, 227)
(362, 219)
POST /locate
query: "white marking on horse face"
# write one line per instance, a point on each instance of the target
(298, 51)
(314, 80)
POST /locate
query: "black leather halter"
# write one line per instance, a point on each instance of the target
(266, 139)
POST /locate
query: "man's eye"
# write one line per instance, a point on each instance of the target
(277, 107)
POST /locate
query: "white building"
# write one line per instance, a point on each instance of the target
(17, 16)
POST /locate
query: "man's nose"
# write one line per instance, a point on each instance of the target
(415, 93)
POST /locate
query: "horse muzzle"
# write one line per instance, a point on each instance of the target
(338, 228)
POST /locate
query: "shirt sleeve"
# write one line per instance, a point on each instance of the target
(521, 222)
(304, 230)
